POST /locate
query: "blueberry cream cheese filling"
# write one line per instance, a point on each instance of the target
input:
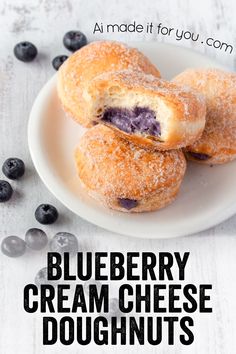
(127, 203)
(199, 156)
(137, 120)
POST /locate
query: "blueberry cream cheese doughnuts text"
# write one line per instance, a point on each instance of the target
(90, 61)
(125, 177)
(217, 144)
(146, 110)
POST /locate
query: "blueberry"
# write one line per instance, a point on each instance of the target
(6, 191)
(13, 168)
(58, 61)
(36, 239)
(41, 278)
(74, 40)
(13, 246)
(46, 214)
(127, 203)
(25, 51)
(64, 242)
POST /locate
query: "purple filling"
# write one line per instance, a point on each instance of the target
(127, 203)
(199, 156)
(137, 120)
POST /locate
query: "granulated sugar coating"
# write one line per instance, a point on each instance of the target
(112, 169)
(187, 99)
(219, 137)
(92, 60)
(176, 115)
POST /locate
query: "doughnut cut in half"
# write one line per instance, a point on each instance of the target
(90, 61)
(146, 110)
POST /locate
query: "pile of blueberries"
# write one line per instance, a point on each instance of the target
(14, 168)
(72, 40)
(35, 239)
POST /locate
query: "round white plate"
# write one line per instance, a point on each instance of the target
(207, 196)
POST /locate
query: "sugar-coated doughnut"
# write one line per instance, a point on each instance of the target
(125, 177)
(217, 144)
(88, 62)
(146, 110)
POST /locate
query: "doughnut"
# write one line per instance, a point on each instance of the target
(217, 144)
(125, 177)
(146, 110)
(88, 62)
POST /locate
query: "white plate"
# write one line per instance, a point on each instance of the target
(207, 196)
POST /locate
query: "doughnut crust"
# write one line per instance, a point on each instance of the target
(217, 144)
(146, 110)
(125, 177)
(87, 63)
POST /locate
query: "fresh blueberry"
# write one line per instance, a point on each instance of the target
(64, 242)
(58, 61)
(36, 239)
(46, 214)
(13, 246)
(6, 191)
(92, 282)
(13, 168)
(127, 203)
(74, 40)
(25, 51)
(41, 278)
(199, 156)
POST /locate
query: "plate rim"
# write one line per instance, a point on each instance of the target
(59, 194)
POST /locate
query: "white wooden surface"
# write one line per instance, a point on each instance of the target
(213, 252)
